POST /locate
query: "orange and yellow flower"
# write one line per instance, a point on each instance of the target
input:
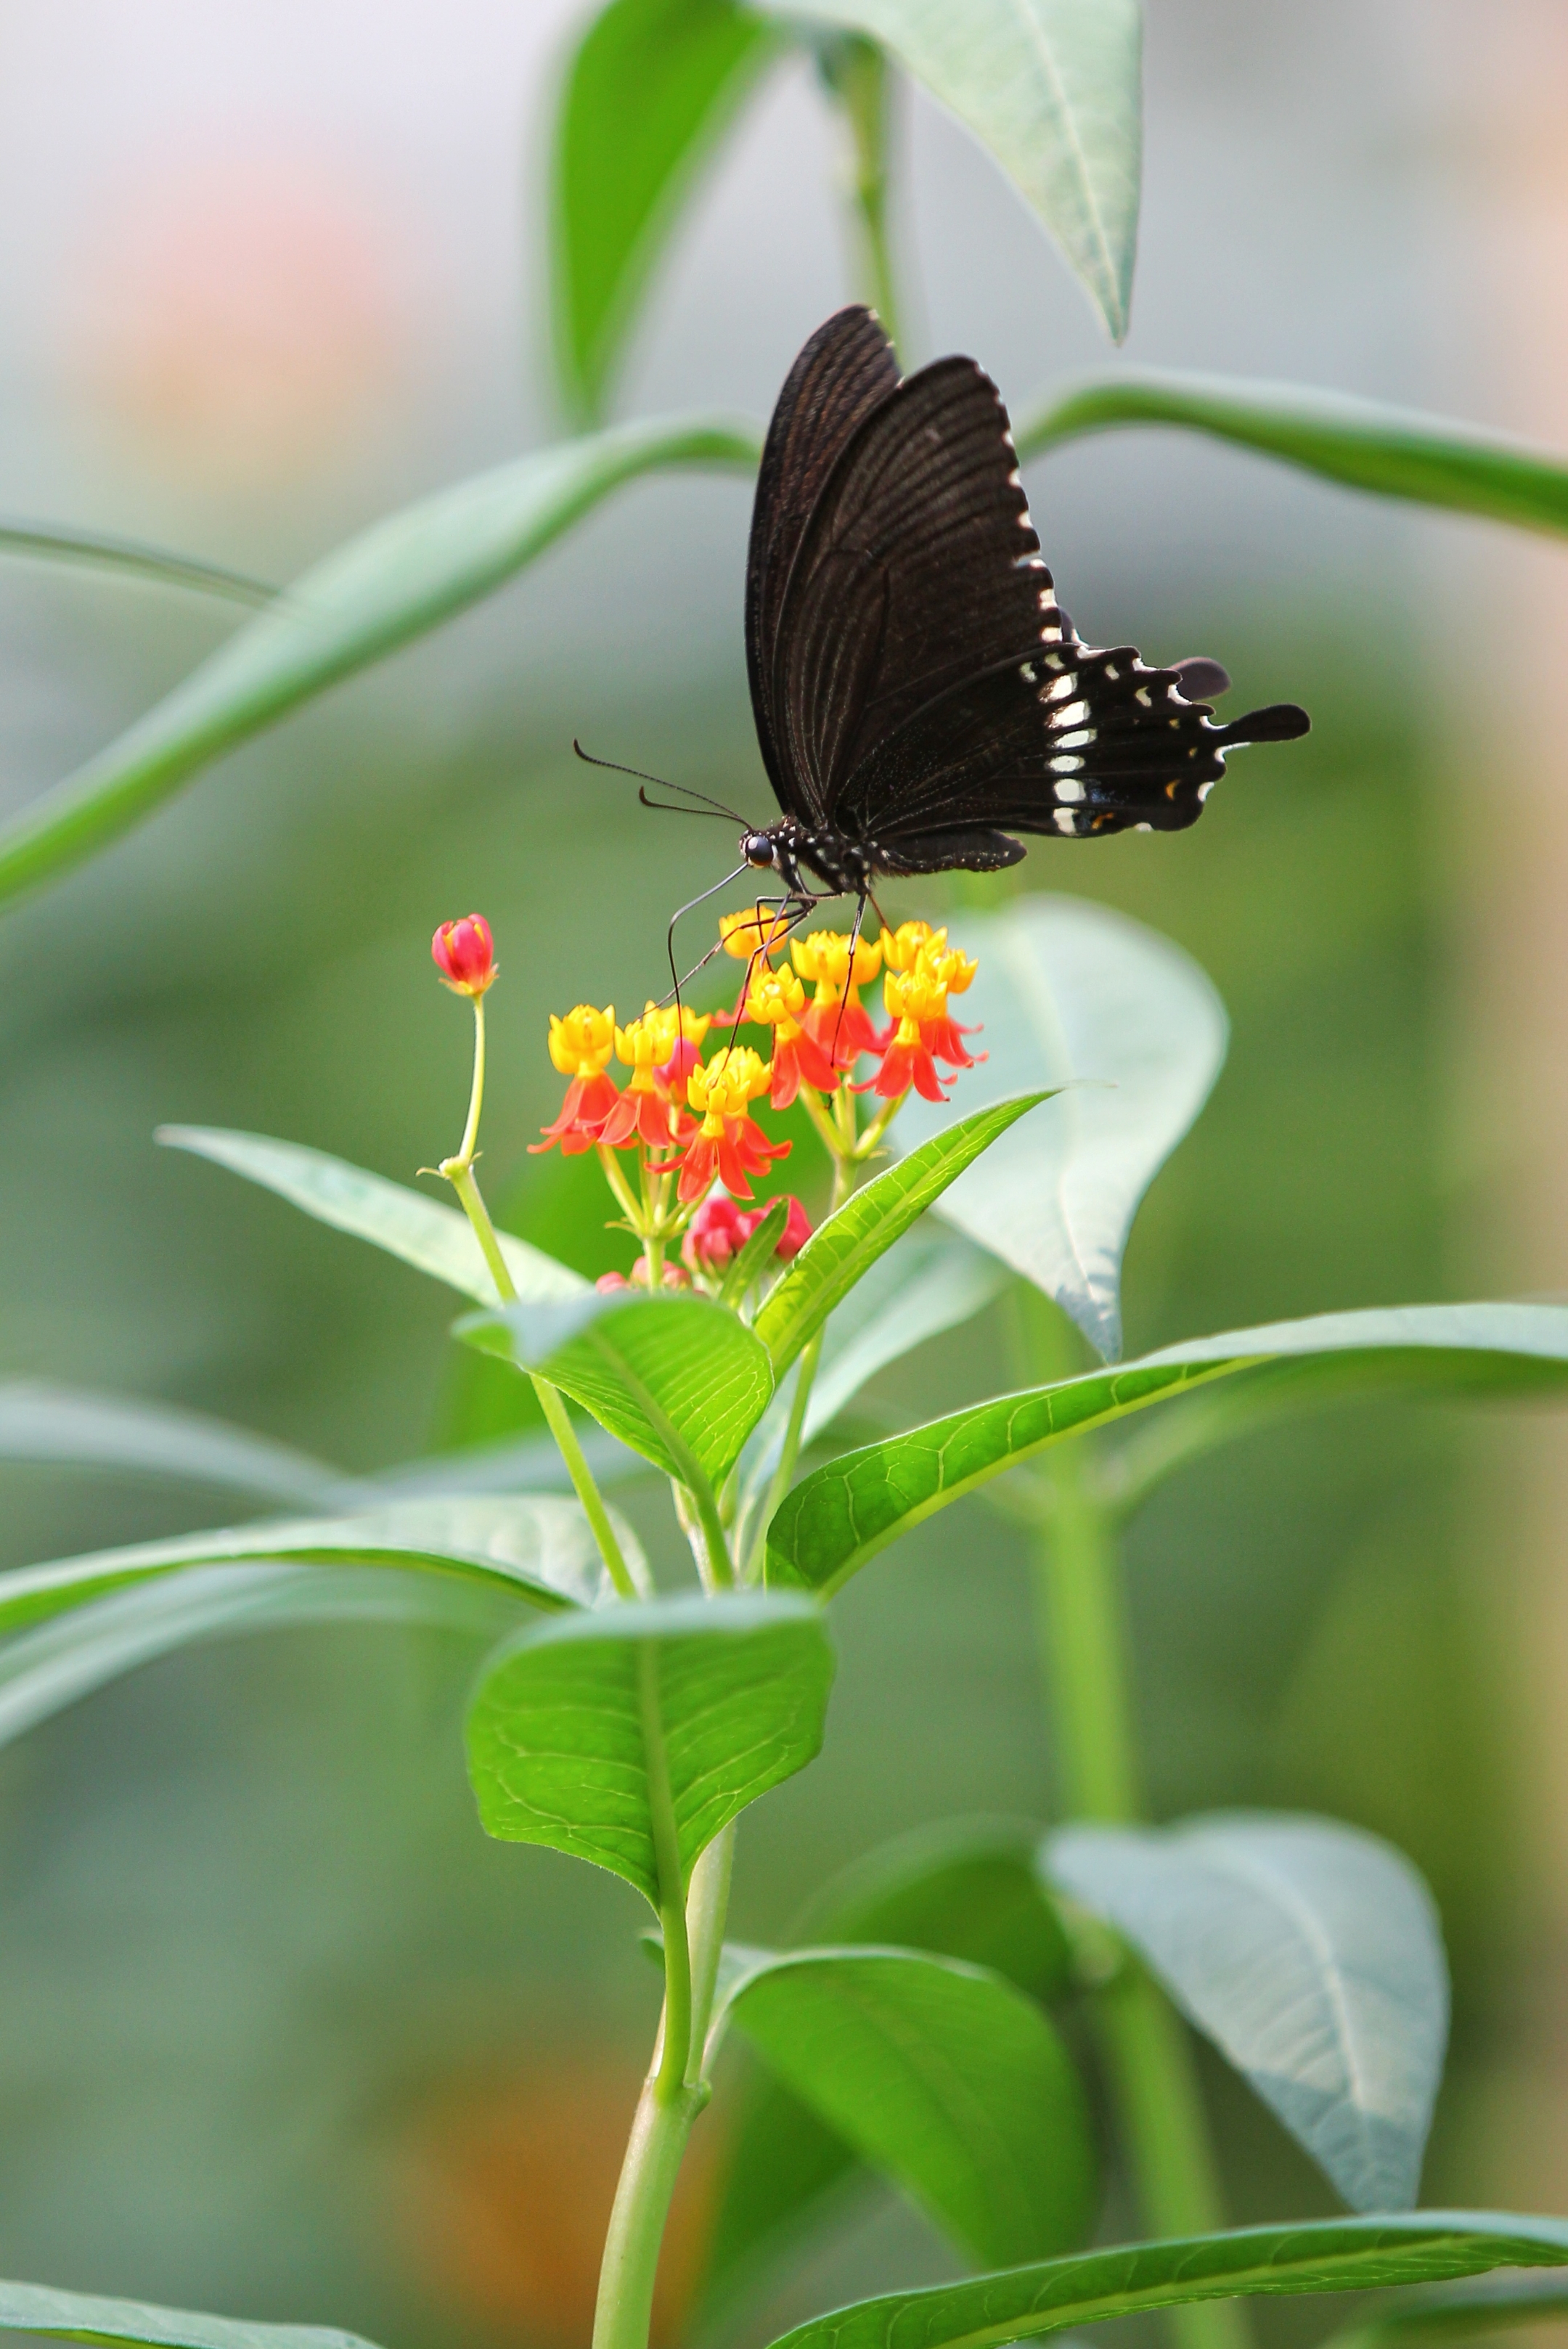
(923, 972)
(581, 1047)
(728, 1147)
(776, 999)
(836, 1018)
(643, 1113)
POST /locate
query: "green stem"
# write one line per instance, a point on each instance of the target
(459, 1173)
(1147, 2055)
(856, 70)
(558, 1420)
(846, 1171)
(476, 1090)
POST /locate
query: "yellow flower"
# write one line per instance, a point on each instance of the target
(731, 1081)
(954, 970)
(581, 1043)
(824, 958)
(915, 995)
(669, 1025)
(642, 1046)
(903, 946)
(753, 930)
(775, 999)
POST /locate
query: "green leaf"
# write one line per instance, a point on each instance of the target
(931, 1281)
(83, 2316)
(1054, 90)
(591, 1733)
(1066, 990)
(965, 1888)
(394, 581)
(59, 1662)
(1310, 1954)
(842, 1515)
(41, 1422)
(843, 1249)
(1486, 2306)
(426, 1233)
(652, 88)
(1392, 451)
(56, 544)
(941, 2075)
(680, 1379)
(1322, 2255)
(751, 1259)
(538, 1550)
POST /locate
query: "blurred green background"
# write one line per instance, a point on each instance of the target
(280, 2033)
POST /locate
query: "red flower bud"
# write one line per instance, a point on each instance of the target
(796, 1230)
(717, 1232)
(464, 955)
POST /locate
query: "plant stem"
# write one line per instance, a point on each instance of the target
(558, 1420)
(459, 1173)
(856, 70)
(1147, 2055)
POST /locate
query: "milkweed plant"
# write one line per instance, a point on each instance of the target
(993, 1094)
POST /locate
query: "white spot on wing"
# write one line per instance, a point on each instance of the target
(1027, 673)
(1072, 741)
(1142, 695)
(1065, 824)
(1069, 793)
(1073, 713)
(1204, 790)
(1068, 766)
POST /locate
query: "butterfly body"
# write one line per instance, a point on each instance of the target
(920, 697)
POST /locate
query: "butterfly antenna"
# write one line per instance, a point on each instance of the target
(613, 767)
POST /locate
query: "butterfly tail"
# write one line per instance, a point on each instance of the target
(1281, 721)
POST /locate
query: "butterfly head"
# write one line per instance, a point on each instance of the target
(760, 849)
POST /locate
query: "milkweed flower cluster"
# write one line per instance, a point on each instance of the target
(692, 1123)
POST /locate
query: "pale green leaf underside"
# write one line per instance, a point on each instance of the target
(54, 542)
(394, 581)
(1071, 995)
(426, 1233)
(843, 1514)
(681, 1380)
(646, 96)
(40, 1421)
(942, 2076)
(1310, 1954)
(1054, 90)
(557, 1735)
(849, 1242)
(538, 1550)
(1323, 2255)
(83, 2316)
(1490, 2304)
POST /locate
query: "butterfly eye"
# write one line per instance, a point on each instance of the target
(757, 848)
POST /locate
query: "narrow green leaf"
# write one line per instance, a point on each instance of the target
(649, 92)
(393, 582)
(1321, 2255)
(426, 1233)
(538, 1550)
(1054, 90)
(57, 1662)
(558, 1736)
(680, 1379)
(842, 1250)
(1392, 451)
(54, 542)
(966, 1889)
(41, 1422)
(1490, 2305)
(750, 1260)
(83, 2316)
(1310, 1954)
(842, 1515)
(941, 2075)
(1072, 995)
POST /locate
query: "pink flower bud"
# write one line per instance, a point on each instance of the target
(796, 1230)
(609, 1282)
(464, 955)
(717, 1232)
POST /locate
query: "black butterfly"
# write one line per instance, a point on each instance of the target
(920, 695)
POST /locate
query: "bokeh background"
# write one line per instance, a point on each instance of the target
(279, 2032)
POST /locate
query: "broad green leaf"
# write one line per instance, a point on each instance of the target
(426, 1233)
(1394, 453)
(931, 1281)
(679, 1379)
(650, 91)
(843, 1514)
(965, 1888)
(83, 2316)
(56, 543)
(1071, 992)
(594, 1735)
(1488, 2304)
(538, 1550)
(1054, 90)
(843, 1249)
(59, 1662)
(941, 2075)
(1310, 1954)
(394, 581)
(41, 1422)
(1313, 2255)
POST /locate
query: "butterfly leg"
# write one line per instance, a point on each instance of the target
(849, 973)
(691, 907)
